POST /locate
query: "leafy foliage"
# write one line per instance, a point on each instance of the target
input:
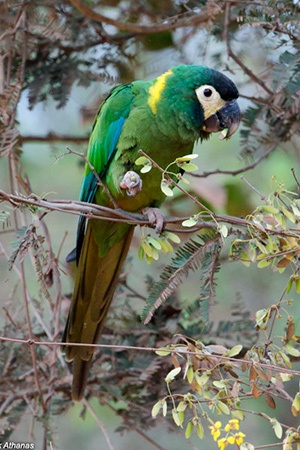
(194, 255)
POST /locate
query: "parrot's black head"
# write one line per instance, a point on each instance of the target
(210, 98)
(218, 101)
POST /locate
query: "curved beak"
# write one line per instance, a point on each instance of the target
(227, 117)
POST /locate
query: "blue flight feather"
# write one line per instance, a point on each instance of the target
(90, 183)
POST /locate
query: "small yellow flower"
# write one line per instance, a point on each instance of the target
(239, 438)
(215, 430)
(233, 424)
(222, 443)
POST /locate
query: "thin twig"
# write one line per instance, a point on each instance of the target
(51, 137)
(99, 422)
(238, 171)
(262, 196)
(232, 55)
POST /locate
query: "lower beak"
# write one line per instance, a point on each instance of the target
(227, 117)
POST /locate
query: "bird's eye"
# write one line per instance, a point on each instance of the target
(209, 99)
(207, 92)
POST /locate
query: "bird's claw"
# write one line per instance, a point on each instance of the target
(155, 217)
(132, 183)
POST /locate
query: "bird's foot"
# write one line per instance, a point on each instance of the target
(132, 183)
(155, 217)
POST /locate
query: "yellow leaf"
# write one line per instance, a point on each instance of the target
(296, 405)
(190, 374)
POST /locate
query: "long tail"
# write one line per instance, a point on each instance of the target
(95, 284)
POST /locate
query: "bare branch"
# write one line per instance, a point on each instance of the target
(208, 13)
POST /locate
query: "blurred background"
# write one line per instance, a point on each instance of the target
(52, 88)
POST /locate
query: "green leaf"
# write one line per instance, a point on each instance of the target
(264, 263)
(289, 286)
(181, 407)
(141, 252)
(156, 408)
(146, 168)
(141, 161)
(223, 230)
(155, 243)
(166, 247)
(292, 350)
(234, 350)
(262, 317)
(163, 351)
(296, 405)
(164, 186)
(247, 446)
(203, 379)
(223, 408)
(190, 374)
(192, 221)
(172, 374)
(200, 430)
(178, 417)
(181, 178)
(295, 209)
(277, 428)
(186, 158)
(164, 408)
(288, 214)
(173, 237)
(188, 167)
(244, 259)
(270, 209)
(297, 286)
(189, 430)
(219, 384)
(237, 414)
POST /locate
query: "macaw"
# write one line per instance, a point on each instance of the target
(163, 117)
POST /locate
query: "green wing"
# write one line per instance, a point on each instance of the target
(102, 146)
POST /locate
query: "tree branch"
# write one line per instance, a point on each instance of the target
(53, 137)
(208, 13)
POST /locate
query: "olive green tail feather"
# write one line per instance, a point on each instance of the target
(95, 284)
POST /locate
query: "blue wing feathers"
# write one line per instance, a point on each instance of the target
(102, 147)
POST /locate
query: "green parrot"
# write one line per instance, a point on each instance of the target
(163, 117)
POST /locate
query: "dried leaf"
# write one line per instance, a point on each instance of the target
(270, 401)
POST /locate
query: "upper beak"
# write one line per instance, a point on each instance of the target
(227, 117)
